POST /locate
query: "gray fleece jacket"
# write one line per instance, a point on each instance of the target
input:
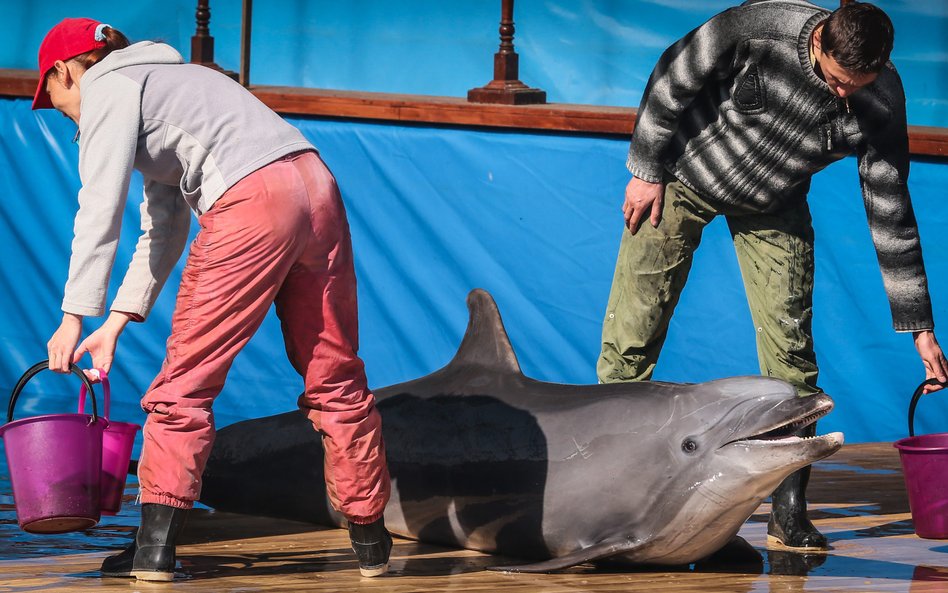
(736, 112)
(191, 131)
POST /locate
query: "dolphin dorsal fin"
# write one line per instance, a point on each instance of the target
(485, 341)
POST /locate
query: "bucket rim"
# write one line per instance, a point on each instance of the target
(69, 417)
(904, 443)
(116, 426)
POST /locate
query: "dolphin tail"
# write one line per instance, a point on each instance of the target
(485, 342)
(605, 549)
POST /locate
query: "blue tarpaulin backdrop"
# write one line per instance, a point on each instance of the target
(533, 218)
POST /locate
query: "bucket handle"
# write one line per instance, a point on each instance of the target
(915, 396)
(106, 394)
(40, 367)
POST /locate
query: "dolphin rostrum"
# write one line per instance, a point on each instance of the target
(485, 458)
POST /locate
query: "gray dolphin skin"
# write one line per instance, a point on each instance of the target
(484, 458)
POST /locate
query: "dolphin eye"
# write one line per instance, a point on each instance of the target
(689, 446)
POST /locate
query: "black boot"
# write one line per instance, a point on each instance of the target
(119, 565)
(372, 546)
(151, 557)
(788, 524)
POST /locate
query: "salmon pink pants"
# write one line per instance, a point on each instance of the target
(280, 236)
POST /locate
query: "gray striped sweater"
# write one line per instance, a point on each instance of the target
(735, 111)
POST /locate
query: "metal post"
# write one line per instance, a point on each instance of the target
(245, 22)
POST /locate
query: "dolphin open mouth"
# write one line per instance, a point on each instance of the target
(788, 430)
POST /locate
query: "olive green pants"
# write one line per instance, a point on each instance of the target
(775, 253)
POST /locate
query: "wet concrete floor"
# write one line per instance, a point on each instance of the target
(857, 498)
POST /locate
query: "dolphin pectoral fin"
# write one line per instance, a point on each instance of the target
(600, 550)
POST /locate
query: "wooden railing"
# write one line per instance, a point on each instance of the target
(457, 111)
(505, 102)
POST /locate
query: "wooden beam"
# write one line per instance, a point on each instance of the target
(558, 117)
(446, 110)
(928, 141)
(18, 83)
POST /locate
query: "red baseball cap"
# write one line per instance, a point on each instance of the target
(68, 39)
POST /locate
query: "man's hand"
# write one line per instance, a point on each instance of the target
(62, 345)
(936, 367)
(642, 198)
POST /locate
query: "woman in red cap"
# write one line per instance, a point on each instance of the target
(273, 230)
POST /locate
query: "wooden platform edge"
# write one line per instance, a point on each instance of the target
(457, 111)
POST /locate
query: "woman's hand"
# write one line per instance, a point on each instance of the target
(101, 343)
(62, 346)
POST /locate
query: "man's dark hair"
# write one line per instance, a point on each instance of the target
(859, 37)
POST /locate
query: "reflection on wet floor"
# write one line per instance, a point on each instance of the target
(858, 501)
(109, 533)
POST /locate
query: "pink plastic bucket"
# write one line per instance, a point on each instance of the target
(925, 468)
(54, 463)
(117, 441)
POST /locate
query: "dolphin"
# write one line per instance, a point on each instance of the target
(485, 458)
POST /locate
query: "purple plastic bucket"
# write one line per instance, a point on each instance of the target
(54, 463)
(925, 469)
(117, 441)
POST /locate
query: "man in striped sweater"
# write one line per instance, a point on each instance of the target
(736, 118)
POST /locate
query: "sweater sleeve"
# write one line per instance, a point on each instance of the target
(883, 173)
(166, 221)
(108, 126)
(682, 72)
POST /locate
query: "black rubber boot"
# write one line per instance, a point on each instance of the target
(788, 525)
(372, 546)
(151, 557)
(119, 565)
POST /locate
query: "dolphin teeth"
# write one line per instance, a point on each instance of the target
(787, 430)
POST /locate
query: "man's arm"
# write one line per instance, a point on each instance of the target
(685, 68)
(883, 172)
(705, 54)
